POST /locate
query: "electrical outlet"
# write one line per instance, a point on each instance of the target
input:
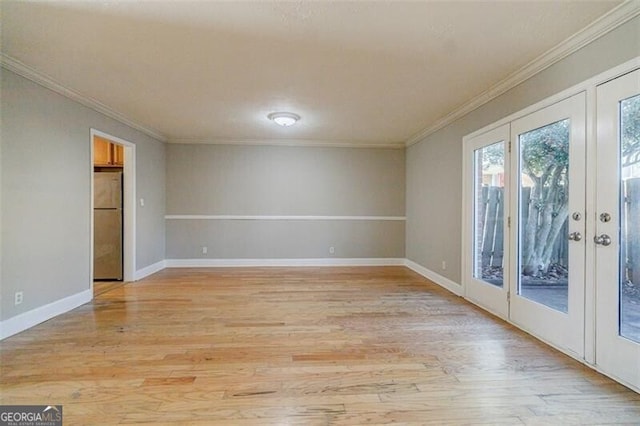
(204, 249)
(444, 265)
(332, 250)
(18, 298)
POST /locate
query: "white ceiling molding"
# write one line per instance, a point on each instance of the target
(606, 23)
(290, 142)
(29, 73)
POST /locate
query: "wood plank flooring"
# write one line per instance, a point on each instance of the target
(300, 346)
(100, 287)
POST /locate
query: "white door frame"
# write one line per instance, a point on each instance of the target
(129, 204)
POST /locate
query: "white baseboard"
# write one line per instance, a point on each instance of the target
(209, 263)
(445, 282)
(151, 269)
(26, 320)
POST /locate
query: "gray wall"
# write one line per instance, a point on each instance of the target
(46, 194)
(280, 180)
(434, 166)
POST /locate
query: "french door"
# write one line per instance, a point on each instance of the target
(547, 281)
(525, 227)
(527, 219)
(617, 237)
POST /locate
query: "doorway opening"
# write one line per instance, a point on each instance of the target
(112, 211)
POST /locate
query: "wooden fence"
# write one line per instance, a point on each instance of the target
(491, 226)
(491, 230)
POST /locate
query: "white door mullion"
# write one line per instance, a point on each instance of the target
(591, 162)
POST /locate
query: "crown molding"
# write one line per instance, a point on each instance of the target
(37, 77)
(289, 142)
(601, 26)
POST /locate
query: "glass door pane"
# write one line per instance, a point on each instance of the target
(488, 221)
(543, 221)
(629, 277)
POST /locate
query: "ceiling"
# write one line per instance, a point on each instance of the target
(370, 73)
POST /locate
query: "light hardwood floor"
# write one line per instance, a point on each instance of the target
(307, 346)
(100, 287)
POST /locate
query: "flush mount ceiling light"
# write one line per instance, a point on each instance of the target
(284, 119)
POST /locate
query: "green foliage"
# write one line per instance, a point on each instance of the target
(541, 148)
(545, 160)
(493, 155)
(545, 150)
(630, 113)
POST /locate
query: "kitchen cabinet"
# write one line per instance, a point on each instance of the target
(107, 154)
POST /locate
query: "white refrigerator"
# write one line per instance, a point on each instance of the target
(107, 220)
